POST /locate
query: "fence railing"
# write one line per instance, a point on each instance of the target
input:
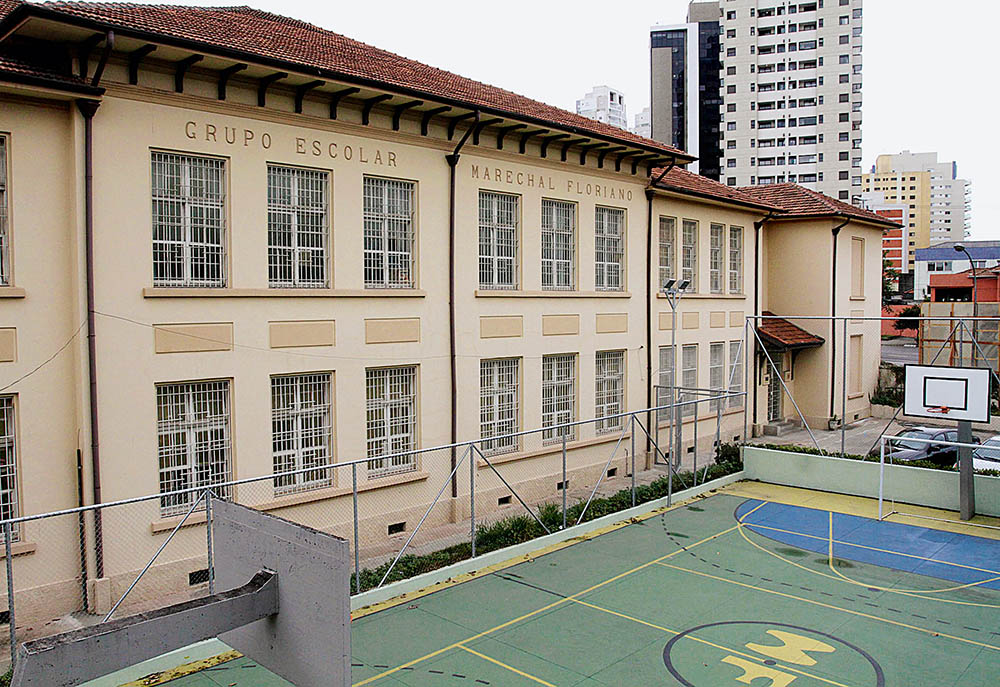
(445, 504)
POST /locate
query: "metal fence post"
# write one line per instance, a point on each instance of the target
(694, 446)
(843, 396)
(357, 552)
(472, 499)
(208, 541)
(633, 459)
(746, 378)
(7, 538)
(564, 485)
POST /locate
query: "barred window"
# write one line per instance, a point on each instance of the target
(4, 237)
(717, 371)
(297, 227)
(498, 405)
(499, 214)
(610, 390)
(301, 431)
(189, 220)
(715, 264)
(735, 373)
(558, 397)
(666, 377)
(388, 211)
(609, 249)
(195, 449)
(735, 259)
(558, 244)
(668, 248)
(391, 421)
(689, 376)
(689, 253)
(8, 462)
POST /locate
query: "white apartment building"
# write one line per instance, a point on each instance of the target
(642, 123)
(791, 91)
(604, 104)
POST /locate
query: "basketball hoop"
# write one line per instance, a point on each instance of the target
(941, 410)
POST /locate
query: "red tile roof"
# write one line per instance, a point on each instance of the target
(683, 181)
(786, 334)
(799, 201)
(270, 37)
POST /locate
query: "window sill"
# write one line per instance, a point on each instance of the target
(550, 449)
(501, 293)
(181, 292)
(858, 298)
(719, 296)
(19, 548)
(170, 522)
(12, 292)
(851, 397)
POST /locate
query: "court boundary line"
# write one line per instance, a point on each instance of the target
(504, 665)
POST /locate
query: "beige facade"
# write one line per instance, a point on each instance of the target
(195, 353)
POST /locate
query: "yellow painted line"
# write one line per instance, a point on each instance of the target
(746, 515)
(547, 607)
(832, 607)
(705, 641)
(185, 669)
(504, 665)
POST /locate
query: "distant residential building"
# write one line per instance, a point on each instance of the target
(943, 259)
(604, 104)
(686, 87)
(642, 124)
(939, 203)
(897, 253)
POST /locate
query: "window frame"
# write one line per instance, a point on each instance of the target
(562, 407)
(492, 398)
(408, 461)
(609, 264)
(494, 258)
(297, 414)
(6, 266)
(735, 260)
(689, 254)
(10, 498)
(668, 249)
(716, 261)
(734, 382)
(294, 210)
(717, 372)
(555, 285)
(685, 371)
(382, 219)
(609, 390)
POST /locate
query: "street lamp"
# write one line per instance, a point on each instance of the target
(673, 289)
(959, 248)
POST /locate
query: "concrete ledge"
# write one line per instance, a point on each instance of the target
(508, 555)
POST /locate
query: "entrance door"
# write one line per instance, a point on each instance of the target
(774, 391)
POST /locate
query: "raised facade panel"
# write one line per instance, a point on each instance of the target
(302, 334)
(501, 326)
(666, 321)
(717, 318)
(8, 345)
(559, 325)
(736, 318)
(398, 330)
(689, 320)
(193, 338)
(612, 323)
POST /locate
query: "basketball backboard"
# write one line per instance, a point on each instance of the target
(948, 393)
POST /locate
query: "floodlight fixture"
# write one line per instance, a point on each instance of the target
(683, 284)
(669, 284)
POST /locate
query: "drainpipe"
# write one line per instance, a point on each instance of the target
(88, 108)
(757, 226)
(452, 161)
(833, 313)
(650, 193)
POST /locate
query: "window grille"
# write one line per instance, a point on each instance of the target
(8, 463)
(666, 380)
(609, 253)
(735, 259)
(717, 371)
(558, 244)
(668, 247)
(717, 241)
(689, 376)
(498, 405)
(297, 227)
(735, 380)
(391, 419)
(558, 397)
(498, 226)
(610, 390)
(301, 431)
(189, 221)
(4, 240)
(194, 441)
(689, 253)
(388, 217)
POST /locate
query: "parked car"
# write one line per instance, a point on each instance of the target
(987, 457)
(903, 451)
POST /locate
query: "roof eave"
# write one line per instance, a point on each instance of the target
(718, 199)
(52, 83)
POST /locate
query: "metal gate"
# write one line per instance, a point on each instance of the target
(774, 392)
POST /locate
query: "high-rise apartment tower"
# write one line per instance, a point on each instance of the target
(604, 104)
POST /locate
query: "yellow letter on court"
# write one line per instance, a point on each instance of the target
(752, 671)
(792, 649)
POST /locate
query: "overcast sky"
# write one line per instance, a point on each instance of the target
(929, 74)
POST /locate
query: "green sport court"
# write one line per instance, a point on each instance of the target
(753, 584)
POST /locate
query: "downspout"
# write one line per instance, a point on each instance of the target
(88, 108)
(650, 193)
(453, 165)
(833, 313)
(757, 226)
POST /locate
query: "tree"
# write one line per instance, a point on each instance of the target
(904, 324)
(890, 282)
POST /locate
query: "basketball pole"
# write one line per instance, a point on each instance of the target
(966, 481)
